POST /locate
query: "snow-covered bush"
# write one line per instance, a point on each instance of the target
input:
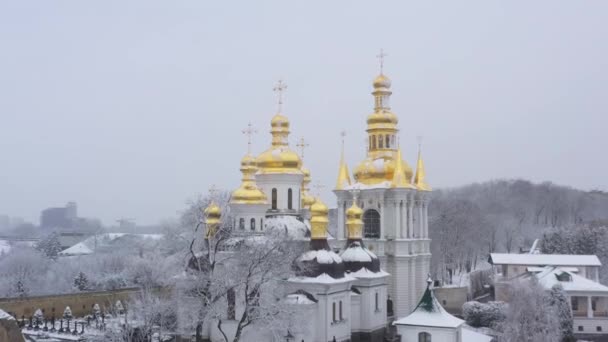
(67, 313)
(38, 317)
(478, 314)
(119, 307)
(96, 310)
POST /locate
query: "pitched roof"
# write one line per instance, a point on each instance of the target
(544, 259)
(429, 313)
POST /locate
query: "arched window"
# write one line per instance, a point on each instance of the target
(370, 142)
(252, 225)
(261, 224)
(424, 337)
(274, 198)
(333, 312)
(387, 141)
(371, 224)
(373, 142)
(380, 141)
(289, 199)
(340, 310)
(241, 223)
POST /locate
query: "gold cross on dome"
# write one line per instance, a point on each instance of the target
(381, 59)
(419, 139)
(279, 89)
(343, 135)
(249, 131)
(302, 144)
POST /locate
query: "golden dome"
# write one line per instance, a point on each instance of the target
(248, 192)
(213, 214)
(279, 158)
(382, 81)
(381, 169)
(319, 220)
(354, 223)
(382, 120)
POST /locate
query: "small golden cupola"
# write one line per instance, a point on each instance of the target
(248, 192)
(318, 220)
(400, 177)
(419, 179)
(279, 158)
(354, 222)
(381, 160)
(213, 215)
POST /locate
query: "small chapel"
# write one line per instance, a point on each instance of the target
(374, 270)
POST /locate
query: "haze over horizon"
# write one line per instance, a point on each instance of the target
(130, 109)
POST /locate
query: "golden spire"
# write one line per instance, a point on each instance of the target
(400, 179)
(318, 220)
(354, 223)
(248, 192)
(343, 174)
(212, 215)
(419, 179)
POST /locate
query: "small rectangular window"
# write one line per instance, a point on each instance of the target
(598, 328)
(340, 309)
(377, 304)
(580, 328)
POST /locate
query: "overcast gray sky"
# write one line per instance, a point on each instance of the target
(132, 107)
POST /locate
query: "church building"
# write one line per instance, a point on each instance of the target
(374, 269)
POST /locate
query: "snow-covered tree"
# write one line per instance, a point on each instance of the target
(228, 267)
(488, 315)
(67, 313)
(81, 282)
(530, 317)
(559, 300)
(38, 316)
(50, 246)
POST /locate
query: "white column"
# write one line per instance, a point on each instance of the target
(382, 220)
(426, 220)
(410, 217)
(589, 308)
(420, 220)
(399, 233)
(403, 218)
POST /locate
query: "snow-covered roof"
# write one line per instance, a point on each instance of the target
(544, 259)
(5, 246)
(321, 279)
(5, 316)
(357, 253)
(429, 313)
(365, 273)
(78, 249)
(576, 283)
(323, 256)
(469, 335)
(361, 186)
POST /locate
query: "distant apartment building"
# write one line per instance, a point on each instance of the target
(59, 218)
